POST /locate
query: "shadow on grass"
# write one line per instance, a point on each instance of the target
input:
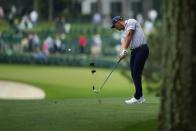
(150, 125)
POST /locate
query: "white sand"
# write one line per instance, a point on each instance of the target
(15, 90)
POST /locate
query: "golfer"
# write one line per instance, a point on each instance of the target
(133, 38)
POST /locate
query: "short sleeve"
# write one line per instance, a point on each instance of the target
(131, 24)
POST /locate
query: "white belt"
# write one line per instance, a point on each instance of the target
(138, 46)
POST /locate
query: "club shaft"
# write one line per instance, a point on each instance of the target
(109, 75)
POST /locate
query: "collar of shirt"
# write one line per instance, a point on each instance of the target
(126, 21)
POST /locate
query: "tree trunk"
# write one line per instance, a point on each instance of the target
(178, 93)
(36, 5)
(125, 9)
(99, 6)
(50, 10)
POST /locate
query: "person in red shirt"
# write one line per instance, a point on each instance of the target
(82, 43)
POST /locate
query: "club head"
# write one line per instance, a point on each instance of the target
(95, 91)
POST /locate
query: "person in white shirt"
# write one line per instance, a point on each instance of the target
(133, 37)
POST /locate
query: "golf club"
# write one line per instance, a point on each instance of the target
(98, 90)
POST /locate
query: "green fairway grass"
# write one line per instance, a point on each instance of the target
(70, 104)
(78, 115)
(68, 82)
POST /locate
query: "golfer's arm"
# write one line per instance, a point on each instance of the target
(125, 44)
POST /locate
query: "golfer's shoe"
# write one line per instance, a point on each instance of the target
(142, 100)
(133, 100)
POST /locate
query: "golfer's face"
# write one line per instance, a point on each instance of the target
(119, 26)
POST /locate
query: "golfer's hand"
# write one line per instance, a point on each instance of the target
(123, 54)
(121, 58)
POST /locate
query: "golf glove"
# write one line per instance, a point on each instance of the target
(123, 52)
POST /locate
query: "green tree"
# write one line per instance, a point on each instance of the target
(36, 5)
(178, 93)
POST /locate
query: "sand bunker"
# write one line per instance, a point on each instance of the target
(15, 90)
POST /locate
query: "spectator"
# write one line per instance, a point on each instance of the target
(106, 21)
(30, 42)
(60, 25)
(1, 13)
(148, 27)
(140, 19)
(82, 43)
(45, 48)
(67, 27)
(57, 44)
(149, 24)
(1, 43)
(97, 45)
(36, 40)
(34, 17)
(116, 39)
(63, 41)
(152, 15)
(25, 23)
(97, 19)
(48, 45)
(11, 18)
(24, 44)
(39, 55)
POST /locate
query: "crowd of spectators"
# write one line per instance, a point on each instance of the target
(30, 41)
